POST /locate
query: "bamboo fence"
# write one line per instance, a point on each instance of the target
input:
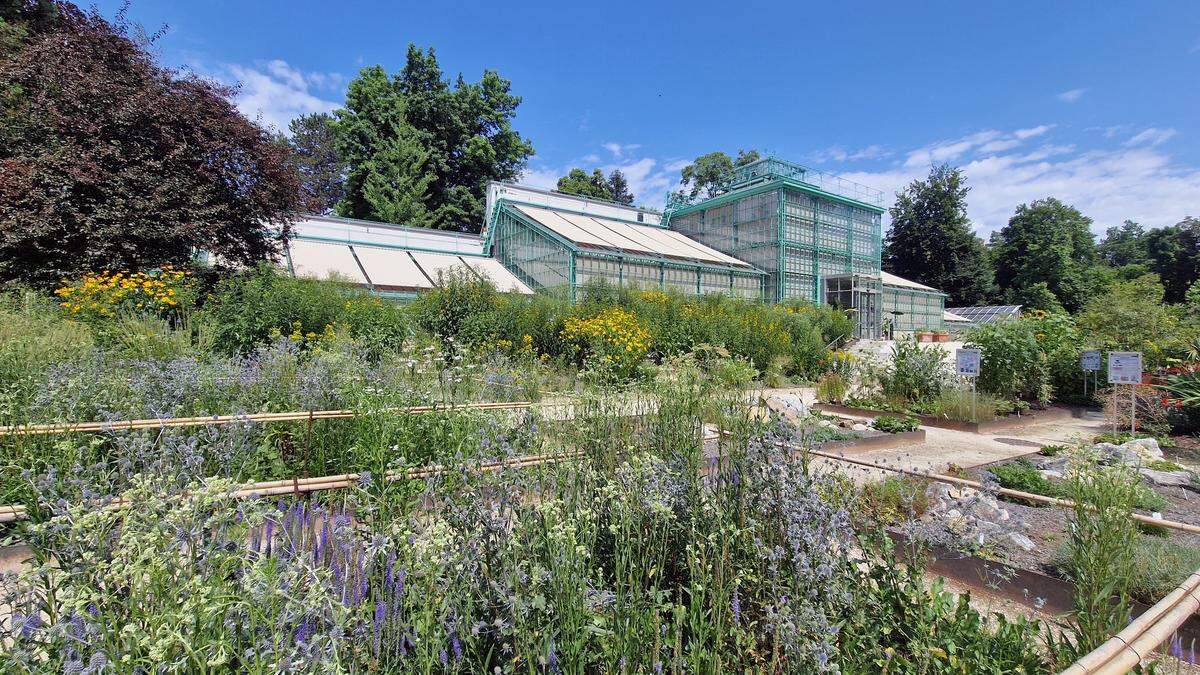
(296, 416)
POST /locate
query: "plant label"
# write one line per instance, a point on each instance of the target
(1124, 367)
(1090, 360)
(967, 361)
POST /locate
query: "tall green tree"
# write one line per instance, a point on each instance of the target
(1124, 245)
(109, 161)
(322, 169)
(620, 188)
(614, 188)
(460, 138)
(389, 167)
(710, 175)
(467, 130)
(1050, 242)
(931, 240)
(1174, 254)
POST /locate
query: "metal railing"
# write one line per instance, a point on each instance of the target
(772, 168)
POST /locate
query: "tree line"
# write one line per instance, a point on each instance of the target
(1046, 257)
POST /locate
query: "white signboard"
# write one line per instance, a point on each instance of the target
(967, 361)
(1124, 367)
(1090, 360)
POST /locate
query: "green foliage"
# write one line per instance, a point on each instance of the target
(896, 425)
(1049, 242)
(248, 309)
(931, 240)
(1175, 256)
(1131, 316)
(960, 403)
(33, 337)
(420, 151)
(710, 175)
(914, 374)
(1124, 245)
(629, 556)
(894, 499)
(1052, 450)
(1102, 544)
(1024, 476)
(1023, 359)
(614, 188)
(1158, 566)
(832, 388)
(458, 310)
(322, 169)
(389, 167)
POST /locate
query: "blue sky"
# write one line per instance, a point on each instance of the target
(1097, 103)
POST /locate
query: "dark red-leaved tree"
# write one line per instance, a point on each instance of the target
(109, 161)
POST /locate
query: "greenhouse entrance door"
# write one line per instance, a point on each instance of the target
(861, 295)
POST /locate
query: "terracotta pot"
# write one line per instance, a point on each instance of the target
(925, 336)
(941, 337)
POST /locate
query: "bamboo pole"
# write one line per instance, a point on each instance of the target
(337, 482)
(295, 416)
(1143, 635)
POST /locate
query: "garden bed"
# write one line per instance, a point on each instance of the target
(1165, 557)
(874, 441)
(1011, 422)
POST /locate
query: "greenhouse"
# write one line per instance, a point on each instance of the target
(392, 260)
(796, 224)
(551, 241)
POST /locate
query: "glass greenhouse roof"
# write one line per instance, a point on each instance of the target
(390, 268)
(988, 314)
(605, 234)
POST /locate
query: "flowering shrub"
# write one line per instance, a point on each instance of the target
(107, 294)
(613, 342)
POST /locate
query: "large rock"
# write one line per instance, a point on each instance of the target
(1137, 452)
(1020, 541)
(1172, 478)
(790, 406)
(1147, 448)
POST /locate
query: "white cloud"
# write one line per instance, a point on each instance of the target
(649, 178)
(1195, 48)
(1031, 132)
(619, 150)
(1152, 136)
(274, 93)
(543, 177)
(836, 153)
(1071, 95)
(1135, 181)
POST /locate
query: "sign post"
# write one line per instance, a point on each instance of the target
(967, 362)
(1126, 368)
(1090, 362)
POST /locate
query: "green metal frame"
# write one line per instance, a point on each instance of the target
(505, 216)
(921, 309)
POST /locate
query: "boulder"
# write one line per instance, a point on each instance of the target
(790, 406)
(1167, 478)
(1137, 452)
(859, 427)
(1020, 541)
(1051, 474)
(1147, 448)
